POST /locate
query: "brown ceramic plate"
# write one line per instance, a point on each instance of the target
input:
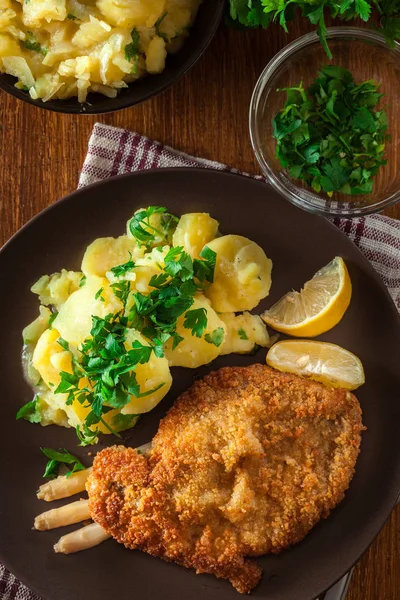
(299, 243)
(201, 34)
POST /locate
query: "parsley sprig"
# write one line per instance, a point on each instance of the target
(60, 457)
(132, 50)
(330, 136)
(160, 33)
(31, 43)
(144, 230)
(30, 411)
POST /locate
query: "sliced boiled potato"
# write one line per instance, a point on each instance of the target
(55, 289)
(149, 376)
(194, 231)
(34, 330)
(49, 358)
(192, 351)
(242, 274)
(243, 333)
(105, 253)
(74, 321)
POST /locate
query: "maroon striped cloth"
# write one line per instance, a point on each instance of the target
(114, 151)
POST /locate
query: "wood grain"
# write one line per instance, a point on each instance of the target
(205, 114)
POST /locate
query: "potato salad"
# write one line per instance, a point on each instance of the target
(169, 292)
(65, 48)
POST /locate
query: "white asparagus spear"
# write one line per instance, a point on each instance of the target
(63, 486)
(75, 512)
(144, 449)
(81, 539)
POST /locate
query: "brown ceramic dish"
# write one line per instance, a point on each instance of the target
(299, 243)
(204, 28)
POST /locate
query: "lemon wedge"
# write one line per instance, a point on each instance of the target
(328, 363)
(318, 307)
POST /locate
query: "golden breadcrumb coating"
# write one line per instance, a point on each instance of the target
(246, 462)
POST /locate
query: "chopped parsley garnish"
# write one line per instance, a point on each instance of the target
(71, 17)
(216, 337)
(31, 43)
(82, 281)
(132, 50)
(98, 295)
(30, 411)
(156, 314)
(51, 318)
(122, 269)
(242, 334)
(121, 422)
(57, 459)
(145, 233)
(157, 24)
(330, 136)
(106, 369)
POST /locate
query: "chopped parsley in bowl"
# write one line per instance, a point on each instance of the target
(321, 130)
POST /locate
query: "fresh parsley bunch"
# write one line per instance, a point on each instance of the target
(330, 136)
(260, 13)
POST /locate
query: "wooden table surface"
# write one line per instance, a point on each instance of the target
(205, 114)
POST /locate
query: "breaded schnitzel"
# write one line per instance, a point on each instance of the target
(245, 463)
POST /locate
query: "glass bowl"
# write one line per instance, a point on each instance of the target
(366, 55)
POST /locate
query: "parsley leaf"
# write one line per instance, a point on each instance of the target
(30, 411)
(121, 422)
(132, 50)
(157, 24)
(58, 458)
(196, 320)
(51, 318)
(204, 269)
(98, 295)
(122, 269)
(242, 334)
(31, 43)
(216, 337)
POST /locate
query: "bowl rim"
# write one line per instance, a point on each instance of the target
(265, 78)
(87, 109)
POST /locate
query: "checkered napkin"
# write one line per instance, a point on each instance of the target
(114, 151)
